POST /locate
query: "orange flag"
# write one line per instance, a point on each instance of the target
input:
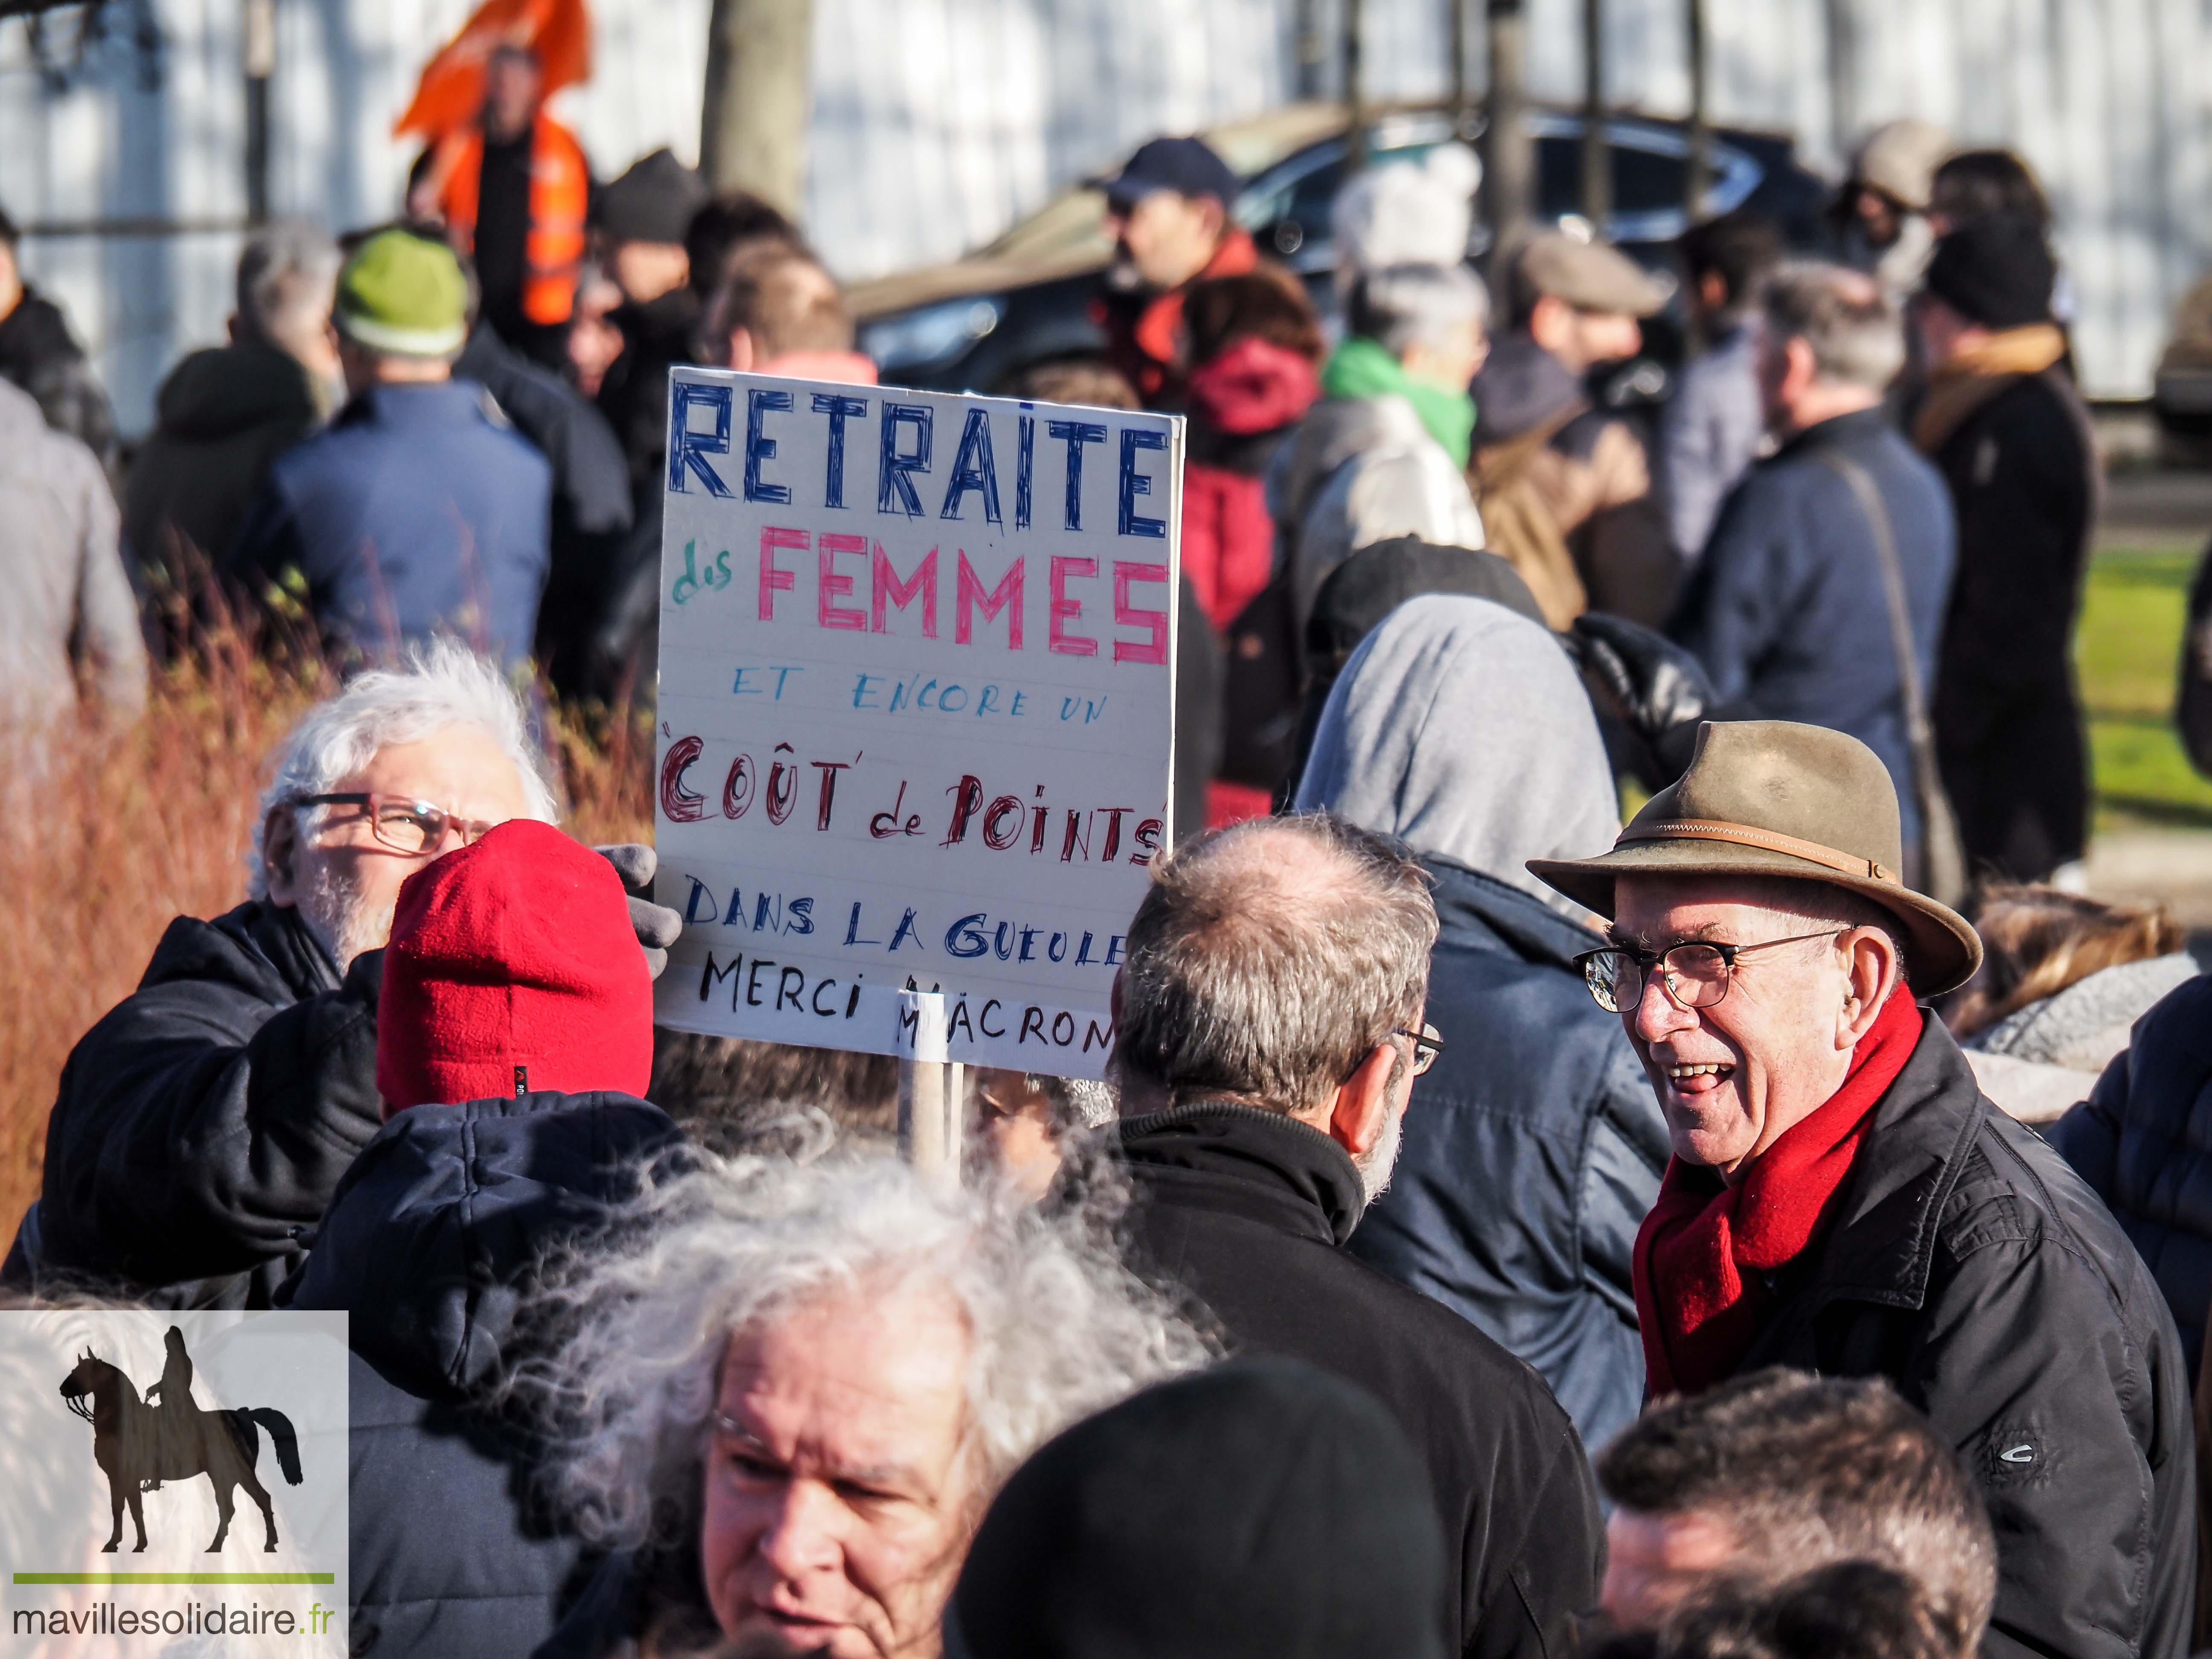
(451, 90)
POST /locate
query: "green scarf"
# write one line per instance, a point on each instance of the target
(1363, 368)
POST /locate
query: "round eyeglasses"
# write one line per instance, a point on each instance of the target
(1696, 974)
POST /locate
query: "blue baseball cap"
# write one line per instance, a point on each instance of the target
(1187, 166)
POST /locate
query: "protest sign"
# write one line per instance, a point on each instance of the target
(917, 660)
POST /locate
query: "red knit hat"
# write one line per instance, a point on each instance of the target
(513, 967)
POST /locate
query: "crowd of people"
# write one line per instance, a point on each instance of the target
(1774, 1226)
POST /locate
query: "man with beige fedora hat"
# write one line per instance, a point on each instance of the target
(1843, 1200)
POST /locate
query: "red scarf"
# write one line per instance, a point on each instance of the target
(1701, 1257)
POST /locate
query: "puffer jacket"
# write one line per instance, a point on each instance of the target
(428, 1244)
(1532, 1149)
(1242, 401)
(1967, 1263)
(202, 1124)
(2143, 1140)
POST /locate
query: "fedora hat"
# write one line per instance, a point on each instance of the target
(1771, 797)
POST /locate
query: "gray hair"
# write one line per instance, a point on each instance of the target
(1269, 959)
(1854, 333)
(1404, 305)
(436, 687)
(636, 1333)
(286, 277)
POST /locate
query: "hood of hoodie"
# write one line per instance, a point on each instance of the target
(1464, 731)
(1255, 385)
(228, 389)
(432, 1237)
(1521, 386)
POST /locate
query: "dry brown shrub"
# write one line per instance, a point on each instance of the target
(107, 835)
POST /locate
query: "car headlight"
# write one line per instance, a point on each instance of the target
(933, 334)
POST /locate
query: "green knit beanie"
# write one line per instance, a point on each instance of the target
(406, 295)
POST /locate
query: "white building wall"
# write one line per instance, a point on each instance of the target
(938, 122)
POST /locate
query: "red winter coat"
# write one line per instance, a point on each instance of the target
(1240, 403)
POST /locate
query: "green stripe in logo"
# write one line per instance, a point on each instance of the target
(176, 1578)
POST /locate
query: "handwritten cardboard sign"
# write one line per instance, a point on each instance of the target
(917, 683)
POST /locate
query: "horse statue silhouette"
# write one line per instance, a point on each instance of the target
(138, 1445)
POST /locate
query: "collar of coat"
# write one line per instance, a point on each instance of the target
(1881, 1246)
(1956, 389)
(1264, 1166)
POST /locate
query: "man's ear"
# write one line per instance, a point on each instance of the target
(1875, 972)
(742, 355)
(1802, 369)
(1361, 1110)
(280, 856)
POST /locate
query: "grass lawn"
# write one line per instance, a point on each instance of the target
(2128, 650)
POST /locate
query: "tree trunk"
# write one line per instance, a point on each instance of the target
(1597, 155)
(752, 128)
(1509, 159)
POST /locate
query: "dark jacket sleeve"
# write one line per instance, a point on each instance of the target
(1627, 1155)
(2042, 1421)
(1537, 1590)
(195, 1138)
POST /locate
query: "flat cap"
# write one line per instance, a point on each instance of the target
(1588, 275)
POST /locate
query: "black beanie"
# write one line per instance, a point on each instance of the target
(1261, 1507)
(653, 201)
(1996, 272)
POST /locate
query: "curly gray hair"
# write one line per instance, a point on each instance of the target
(438, 685)
(1059, 1327)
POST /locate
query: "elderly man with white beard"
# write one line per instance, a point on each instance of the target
(1268, 1029)
(202, 1125)
(1843, 1200)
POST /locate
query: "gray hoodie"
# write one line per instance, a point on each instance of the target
(1463, 729)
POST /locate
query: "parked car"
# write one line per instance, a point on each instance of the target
(1027, 297)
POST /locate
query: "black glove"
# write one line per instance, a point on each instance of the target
(657, 925)
(1660, 688)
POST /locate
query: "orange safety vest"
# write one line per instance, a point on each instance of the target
(560, 192)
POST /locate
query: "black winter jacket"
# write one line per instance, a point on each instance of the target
(224, 415)
(2143, 1140)
(1533, 1150)
(1250, 1210)
(428, 1245)
(1968, 1264)
(2024, 476)
(202, 1124)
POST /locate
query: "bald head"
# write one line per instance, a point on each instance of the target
(1268, 961)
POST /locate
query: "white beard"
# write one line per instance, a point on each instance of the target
(1376, 1163)
(333, 910)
